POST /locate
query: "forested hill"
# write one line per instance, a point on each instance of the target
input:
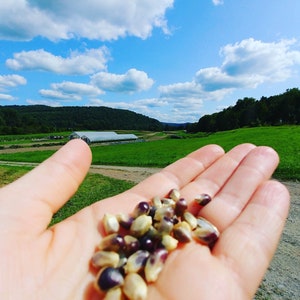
(39, 118)
(283, 109)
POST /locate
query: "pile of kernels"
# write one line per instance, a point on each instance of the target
(136, 246)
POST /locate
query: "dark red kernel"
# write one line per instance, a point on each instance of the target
(142, 208)
(180, 207)
(109, 278)
(126, 222)
(203, 199)
(147, 243)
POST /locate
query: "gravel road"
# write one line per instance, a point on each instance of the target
(282, 280)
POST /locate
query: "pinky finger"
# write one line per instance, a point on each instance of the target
(248, 245)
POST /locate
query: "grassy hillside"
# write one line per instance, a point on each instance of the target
(159, 153)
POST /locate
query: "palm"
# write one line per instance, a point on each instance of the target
(40, 263)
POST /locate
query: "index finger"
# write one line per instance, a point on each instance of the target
(29, 202)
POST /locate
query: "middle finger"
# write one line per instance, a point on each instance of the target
(215, 176)
(257, 166)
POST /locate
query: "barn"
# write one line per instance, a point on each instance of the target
(101, 136)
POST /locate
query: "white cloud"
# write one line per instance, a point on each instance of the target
(54, 94)
(21, 21)
(88, 62)
(69, 87)
(104, 20)
(70, 91)
(151, 103)
(246, 64)
(6, 97)
(10, 81)
(181, 90)
(132, 81)
(188, 91)
(218, 2)
(267, 61)
(250, 63)
(212, 79)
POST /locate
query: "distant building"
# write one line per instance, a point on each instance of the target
(101, 136)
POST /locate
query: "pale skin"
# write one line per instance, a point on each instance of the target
(249, 209)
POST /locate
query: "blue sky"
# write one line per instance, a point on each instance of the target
(171, 60)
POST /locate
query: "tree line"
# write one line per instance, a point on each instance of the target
(24, 119)
(280, 109)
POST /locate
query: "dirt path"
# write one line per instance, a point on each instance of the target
(134, 174)
(282, 281)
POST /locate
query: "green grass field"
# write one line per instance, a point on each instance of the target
(32, 140)
(94, 188)
(9, 174)
(159, 153)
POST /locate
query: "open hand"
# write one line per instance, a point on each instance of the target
(38, 262)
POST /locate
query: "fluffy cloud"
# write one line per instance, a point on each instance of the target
(70, 91)
(6, 97)
(104, 20)
(246, 64)
(132, 81)
(88, 62)
(9, 81)
(189, 91)
(250, 63)
(261, 61)
(212, 79)
(69, 87)
(151, 103)
(180, 90)
(54, 94)
(218, 2)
